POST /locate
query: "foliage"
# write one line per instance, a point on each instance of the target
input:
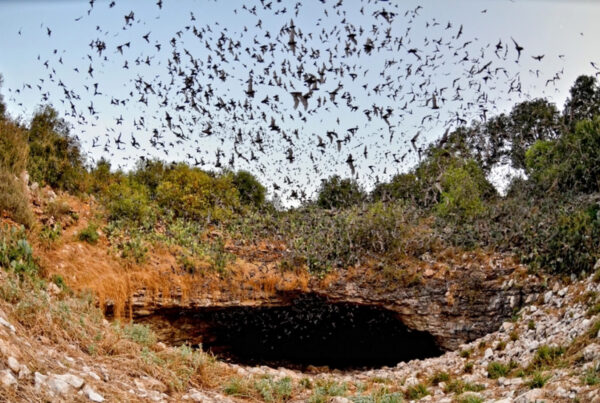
(16, 253)
(2, 104)
(251, 191)
(55, 156)
(584, 100)
(194, 194)
(570, 164)
(497, 369)
(546, 356)
(129, 201)
(462, 194)
(14, 150)
(136, 332)
(538, 380)
(14, 200)
(336, 192)
(89, 234)
(401, 187)
(416, 392)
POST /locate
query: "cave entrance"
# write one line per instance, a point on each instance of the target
(308, 331)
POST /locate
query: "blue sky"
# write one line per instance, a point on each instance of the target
(565, 32)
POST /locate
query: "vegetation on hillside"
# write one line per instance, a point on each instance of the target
(549, 217)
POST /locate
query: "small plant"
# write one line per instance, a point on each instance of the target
(501, 346)
(438, 377)
(468, 368)
(466, 353)
(538, 380)
(134, 249)
(416, 392)
(60, 282)
(497, 370)
(592, 377)
(274, 391)
(138, 333)
(546, 356)
(470, 399)
(459, 386)
(514, 335)
(89, 234)
(50, 233)
(531, 324)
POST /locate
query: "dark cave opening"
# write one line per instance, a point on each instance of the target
(308, 331)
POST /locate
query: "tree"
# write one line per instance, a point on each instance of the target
(584, 102)
(251, 191)
(2, 105)
(336, 192)
(55, 156)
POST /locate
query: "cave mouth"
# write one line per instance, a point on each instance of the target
(308, 331)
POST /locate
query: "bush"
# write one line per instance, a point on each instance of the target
(16, 253)
(416, 392)
(89, 234)
(546, 357)
(496, 370)
(464, 188)
(14, 200)
(336, 192)
(401, 187)
(128, 200)
(55, 156)
(570, 164)
(14, 149)
(538, 380)
(193, 194)
(251, 191)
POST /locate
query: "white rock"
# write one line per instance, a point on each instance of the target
(7, 324)
(339, 399)
(71, 379)
(24, 372)
(488, 354)
(14, 364)
(58, 385)
(92, 394)
(7, 378)
(547, 297)
(507, 326)
(531, 396)
(591, 352)
(39, 379)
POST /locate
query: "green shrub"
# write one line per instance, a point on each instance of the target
(538, 380)
(462, 193)
(274, 391)
(546, 357)
(193, 194)
(129, 201)
(55, 156)
(496, 370)
(16, 253)
(438, 377)
(592, 376)
(141, 334)
(416, 392)
(459, 386)
(251, 191)
(14, 150)
(14, 200)
(401, 187)
(89, 234)
(336, 192)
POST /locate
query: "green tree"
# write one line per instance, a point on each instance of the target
(2, 104)
(336, 192)
(584, 100)
(194, 194)
(251, 191)
(570, 164)
(402, 187)
(55, 156)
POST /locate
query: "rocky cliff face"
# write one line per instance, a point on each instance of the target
(455, 303)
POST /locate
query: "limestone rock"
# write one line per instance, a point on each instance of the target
(7, 378)
(92, 394)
